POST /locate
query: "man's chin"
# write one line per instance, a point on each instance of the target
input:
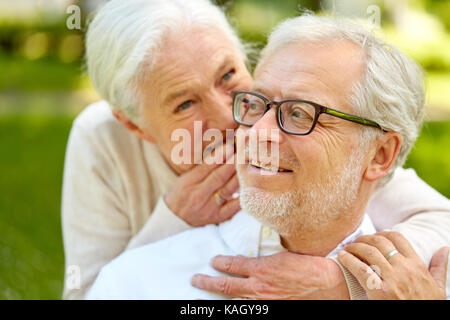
(265, 205)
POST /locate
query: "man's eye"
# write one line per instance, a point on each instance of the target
(298, 114)
(227, 76)
(185, 105)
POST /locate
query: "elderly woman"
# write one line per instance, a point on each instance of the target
(164, 65)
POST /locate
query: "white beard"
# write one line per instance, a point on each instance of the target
(291, 212)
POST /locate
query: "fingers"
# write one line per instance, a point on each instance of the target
(382, 244)
(219, 177)
(370, 255)
(228, 210)
(438, 267)
(200, 172)
(237, 265)
(220, 212)
(400, 243)
(227, 191)
(229, 286)
(365, 275)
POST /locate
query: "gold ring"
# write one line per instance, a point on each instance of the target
(220, 201)
(391, 254)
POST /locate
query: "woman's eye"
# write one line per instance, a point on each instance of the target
(185, 105)
(227, 76)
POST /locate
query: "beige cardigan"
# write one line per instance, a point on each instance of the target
(113, 187)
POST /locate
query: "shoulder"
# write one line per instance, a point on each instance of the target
(160, 269)
(96, 130)
(408, 187)
(97, 120)
(188, 247)
(203, 240)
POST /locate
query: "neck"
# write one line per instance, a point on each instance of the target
(322, 239)
(314, 243)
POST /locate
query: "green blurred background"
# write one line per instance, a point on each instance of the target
(43, 86)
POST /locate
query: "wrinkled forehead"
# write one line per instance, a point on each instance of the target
(197, 43)
(312, 68)
(191, 56)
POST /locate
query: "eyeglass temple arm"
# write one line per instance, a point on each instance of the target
(352, 118)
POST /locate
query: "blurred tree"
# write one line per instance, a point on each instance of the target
(441, 9)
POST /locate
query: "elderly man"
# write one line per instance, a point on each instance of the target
(349, 110)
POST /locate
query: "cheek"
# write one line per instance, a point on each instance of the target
(308, 151)
(315, 157)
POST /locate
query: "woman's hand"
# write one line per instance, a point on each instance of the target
(386, 274)
(204, 195)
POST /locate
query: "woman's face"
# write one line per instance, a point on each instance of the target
(196, 71)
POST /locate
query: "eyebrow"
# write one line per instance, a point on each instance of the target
(175, 95)
(226, 61)
(260, 90)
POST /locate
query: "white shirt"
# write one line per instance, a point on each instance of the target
(163, 270)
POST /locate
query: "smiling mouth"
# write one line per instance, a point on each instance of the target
(268, 167)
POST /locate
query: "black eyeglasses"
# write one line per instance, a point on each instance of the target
(295, 116)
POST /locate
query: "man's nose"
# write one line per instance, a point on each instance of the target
(267, 129)
(218, 111)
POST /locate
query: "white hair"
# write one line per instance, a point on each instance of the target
(391, 90)
(123, 40)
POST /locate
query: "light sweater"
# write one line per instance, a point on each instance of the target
(136, 274)
(114, 183)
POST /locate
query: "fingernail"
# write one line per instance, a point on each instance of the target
(194, 280)
(341, 253)
(216, 260)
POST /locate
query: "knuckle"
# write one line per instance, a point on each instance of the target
(260, 288)
(260, 268)
(229, 265)
(364, 269)
(196, 196)
(396, 236)
(378, 240)
(351, 247)
(225, 192)
(364, 238)
(223, 286)
(371, 251)
(217, 177)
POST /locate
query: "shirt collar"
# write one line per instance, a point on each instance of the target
(241, 234)
(366, 227)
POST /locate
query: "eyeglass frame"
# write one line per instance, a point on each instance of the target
(319, 109)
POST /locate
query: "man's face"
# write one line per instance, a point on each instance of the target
(326, 166)
(196, 71)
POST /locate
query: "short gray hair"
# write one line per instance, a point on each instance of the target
(391, 91)
(123, 40)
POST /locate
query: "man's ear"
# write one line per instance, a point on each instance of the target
(127, 123)
(386, 152)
